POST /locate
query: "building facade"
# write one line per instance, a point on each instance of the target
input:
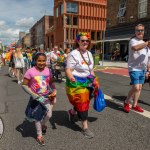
(73, 16)
(39, 30)
(122, 17)
(26, 41)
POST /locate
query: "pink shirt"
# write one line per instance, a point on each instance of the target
(39, 81)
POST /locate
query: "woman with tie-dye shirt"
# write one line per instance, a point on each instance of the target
(38, 83)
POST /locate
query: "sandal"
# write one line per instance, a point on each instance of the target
(40, 140)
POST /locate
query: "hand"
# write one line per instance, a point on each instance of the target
(52, 95)
(41, 99)
(72, 79)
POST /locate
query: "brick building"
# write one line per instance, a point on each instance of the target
(73, 16)
(26, 40)
(39, 30)
(122, 17)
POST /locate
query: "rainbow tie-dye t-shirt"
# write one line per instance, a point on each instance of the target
(39, 81)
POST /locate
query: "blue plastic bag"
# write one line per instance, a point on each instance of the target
(99, 101)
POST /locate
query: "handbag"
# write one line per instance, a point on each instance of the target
(99, 101)
(35, 110)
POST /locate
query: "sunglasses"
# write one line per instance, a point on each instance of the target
(87, 41)
(139, 30)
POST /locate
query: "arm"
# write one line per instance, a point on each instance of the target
(27, 89)
(69, 75)
(140, 46)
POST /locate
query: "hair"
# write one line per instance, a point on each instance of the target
(138, 25)
(38, 55)
(18, 53)
(78, 37)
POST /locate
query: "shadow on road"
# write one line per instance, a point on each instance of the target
(122, 98)
(114, 105)
(61, 118)
(27, 129)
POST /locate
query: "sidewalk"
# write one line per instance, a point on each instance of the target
(113, 64)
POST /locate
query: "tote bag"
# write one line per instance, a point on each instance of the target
(35, 110)
(99, 101)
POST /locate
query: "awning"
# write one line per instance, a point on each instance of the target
(117, 38)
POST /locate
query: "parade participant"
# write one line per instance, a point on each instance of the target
(48, 56)
(1, 61)
(38, 83)
(79, 70)
(12, 65)
(19, 65)
(137, 63)
(29, 56)
(54, 54)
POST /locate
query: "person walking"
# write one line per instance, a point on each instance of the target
(137, 64)
(79, 70)
(38, 83)
(19, 65)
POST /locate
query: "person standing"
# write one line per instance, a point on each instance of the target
(137, 64)
(79, 67)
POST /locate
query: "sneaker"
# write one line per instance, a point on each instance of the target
(40, 140)
(71, 115)
(138, 109)
(44, 128)
(126, 107)
(19, 82)
(87, 133)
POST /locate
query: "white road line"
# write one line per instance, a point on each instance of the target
(145, 113)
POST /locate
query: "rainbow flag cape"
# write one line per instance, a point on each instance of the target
(78, 94)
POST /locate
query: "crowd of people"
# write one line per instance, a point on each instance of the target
(37, 80)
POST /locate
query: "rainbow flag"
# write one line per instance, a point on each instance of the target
(78, 94)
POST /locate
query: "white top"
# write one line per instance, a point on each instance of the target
(137, 59)
(48, 56)
(54, 55)
(149, 57)
(76, 62)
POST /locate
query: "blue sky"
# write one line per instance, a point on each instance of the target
(20, 15)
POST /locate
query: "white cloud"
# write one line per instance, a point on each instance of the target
(10, 33)
(2, 23)
(25, 22)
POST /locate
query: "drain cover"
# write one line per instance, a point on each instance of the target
(1, 127)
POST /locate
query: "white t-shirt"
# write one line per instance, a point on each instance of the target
(137, 59)
(48, 56)
(54, 55)
(76, 62)
(149, 57)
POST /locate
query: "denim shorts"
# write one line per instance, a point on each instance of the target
(137, 77)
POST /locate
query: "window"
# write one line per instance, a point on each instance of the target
(122, 8)
(142, 10)
(61, 8)
(68, 20)
(56, 12)
(98, 35)
(72, 7)
(75, 20)
(92, 35)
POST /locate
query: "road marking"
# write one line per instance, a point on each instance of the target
(1, 127)
(145, 113)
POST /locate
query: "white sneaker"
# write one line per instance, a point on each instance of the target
(19, 82)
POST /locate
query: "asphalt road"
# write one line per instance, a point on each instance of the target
(113, 128)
